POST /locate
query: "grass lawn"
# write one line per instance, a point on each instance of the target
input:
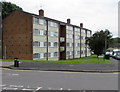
(91, 59)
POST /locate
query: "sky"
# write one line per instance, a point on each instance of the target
(95, 15)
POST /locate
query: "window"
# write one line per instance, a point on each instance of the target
(52, 24)
(69, 35)
(55, 54)
(78, 44)
(36, 20)
(45, 55)
(49, 33)
(45, 32)
(78, 52)
(49, 54)
(36, 55)
(45, 44)
(68, 44)
(42, 22)
(36, 43)
(68, 53)
(41, 44)
(82, 52)
(82, 37)
(69, 28)
(36, 32)
(55, 34)
(82, 31)
(41, 32)
(49, 44)
(77, 29)
(55, 44)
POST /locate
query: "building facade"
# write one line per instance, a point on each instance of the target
(35, 37)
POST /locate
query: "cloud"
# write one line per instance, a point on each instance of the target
(95, 14)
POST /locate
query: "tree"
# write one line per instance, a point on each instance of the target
(115, 42)
(8, 7)
(99, 42)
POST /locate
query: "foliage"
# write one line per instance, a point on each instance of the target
(115, 42)
(99, 42)
(8, 7)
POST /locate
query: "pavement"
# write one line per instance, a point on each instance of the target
(77, 67)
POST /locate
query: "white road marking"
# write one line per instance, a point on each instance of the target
(15, 74)
(18, 86)
(27, 89)
(10, 88)
(3, 85)
(38, 88)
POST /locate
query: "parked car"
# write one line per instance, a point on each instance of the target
(116, 54)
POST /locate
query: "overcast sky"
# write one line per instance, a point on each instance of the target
(94, 14)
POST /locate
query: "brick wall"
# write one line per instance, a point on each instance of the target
(17, 36)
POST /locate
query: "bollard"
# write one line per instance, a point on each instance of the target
(16, 62)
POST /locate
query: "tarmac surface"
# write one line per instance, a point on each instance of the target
(77, 67)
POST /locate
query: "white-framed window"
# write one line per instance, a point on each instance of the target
(36, 55)
(78, 44)
(36, 20)
(55, 34)
(82, 37)
(77, 29)
(52, 24)
(41, 44)
(52, 44)
(42, 22)
(45, 32)
(83, 31)
(77, 37)
(55, 44)
(41, 32)
(45, 55)
(36, 44)
(82, 52)
(68, 53)
(69, 28)
(78, 52)
(49, 44)
(49, 54)
(69, 35)
(45, 44)
(36, 32)
(41, 55)
(55, 54)
(75, 52)
(68, 44)
(49, 33)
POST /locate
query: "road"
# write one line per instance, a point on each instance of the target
(53, 80)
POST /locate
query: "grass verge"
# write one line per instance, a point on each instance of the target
(91, 59)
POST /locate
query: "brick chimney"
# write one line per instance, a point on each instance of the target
(81, 25)
(68, 21)
(41, 13)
